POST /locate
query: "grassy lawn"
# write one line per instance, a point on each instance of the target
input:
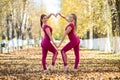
(26, 65)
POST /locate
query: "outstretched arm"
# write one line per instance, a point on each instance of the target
(50, 15)
(65, 33)
(50, 36)
(62, 16)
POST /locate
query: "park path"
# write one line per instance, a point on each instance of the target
(26, 65)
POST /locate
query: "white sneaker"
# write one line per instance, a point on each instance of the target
(74, 70)
(45, 71)
(51, 68)
(65, 68)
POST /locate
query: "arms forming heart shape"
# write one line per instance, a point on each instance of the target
(55, 15)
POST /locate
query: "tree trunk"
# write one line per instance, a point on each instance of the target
(114, 6)
(24, 19)
(91, 25)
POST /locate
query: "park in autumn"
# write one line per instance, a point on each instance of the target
(21, 34)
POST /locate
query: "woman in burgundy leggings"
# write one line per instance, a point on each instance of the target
(74, 41)
(47, 42)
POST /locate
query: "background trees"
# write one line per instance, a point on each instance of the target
(96, 19)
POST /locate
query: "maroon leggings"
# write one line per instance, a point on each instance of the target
(69, 46)
(45, 50)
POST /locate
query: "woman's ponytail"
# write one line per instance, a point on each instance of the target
(75, 22)
(41, 18)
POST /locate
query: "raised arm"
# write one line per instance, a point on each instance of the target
(50, 15)
(62, 16)
(65, 33)
(50, 36)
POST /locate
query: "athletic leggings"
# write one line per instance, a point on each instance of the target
(69, 46)
(45, 50)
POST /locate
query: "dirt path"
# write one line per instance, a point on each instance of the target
(26, 65)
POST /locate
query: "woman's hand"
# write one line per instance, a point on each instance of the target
(58, 14)
(51, 15)
(62, 16)
(58, 45)
(55, 44)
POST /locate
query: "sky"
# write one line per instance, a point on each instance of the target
(52, 6)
